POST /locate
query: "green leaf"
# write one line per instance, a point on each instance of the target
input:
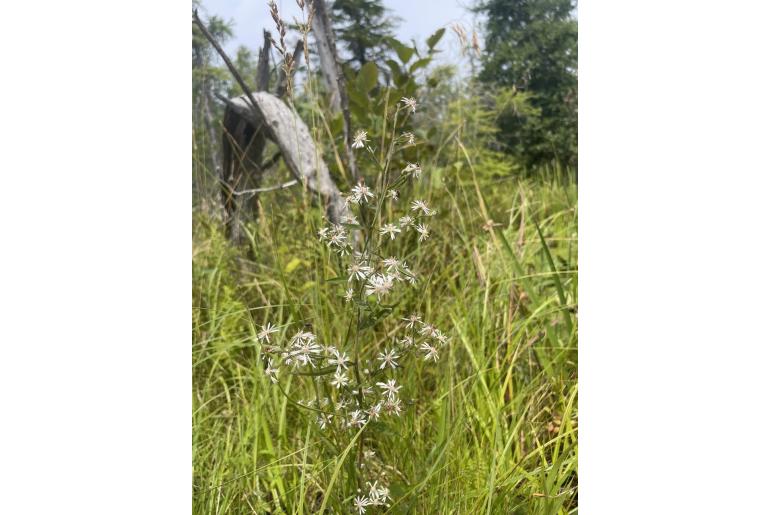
(395, 68)
(421, 63)
(435, 38)
(557, 280)
(404, 52)
(359, 98)
(367, 77)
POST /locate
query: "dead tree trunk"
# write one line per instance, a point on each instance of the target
(243, 149)
(286, 129)
(263, 64)
(261, 114)
(331, 70)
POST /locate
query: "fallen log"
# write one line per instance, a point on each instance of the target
(284, 127)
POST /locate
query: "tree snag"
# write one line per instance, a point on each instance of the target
(331, 70)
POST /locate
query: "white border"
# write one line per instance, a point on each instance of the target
(96, 257)
(673, 223)
(96, 267)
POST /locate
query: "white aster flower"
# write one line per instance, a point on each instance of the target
(420, 205)
(324, 420)
(424, 232)
(361, 193)
(409, 103)
(405, 221)
(393, 194)
(359, 139)
(407, 341)
(388, 359)
(271, 372)
(411, 320)
(409, 137)
(389, 229)
(340, 379)
(266, 331)
(379, 285)
(349, 295)
(391, 264)
(412, 169)
(378, 495)
(389, 388)
(392, 406)
(349, 219)
(374, 411)
(340, 360)
(428, 330)
(356, 418)
(360, 503)
(430, 352)
(307, 353)
(337, 236)
(302, 336)
(358, 270)
(366, 390)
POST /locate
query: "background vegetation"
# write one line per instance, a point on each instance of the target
(492, 428)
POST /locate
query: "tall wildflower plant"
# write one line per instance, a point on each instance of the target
(355, 379)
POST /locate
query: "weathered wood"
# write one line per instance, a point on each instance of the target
(242, 149)
(246, 117)
(327, 54)
(286, 129)
(263, 64)
(331, 71)
(283, 79)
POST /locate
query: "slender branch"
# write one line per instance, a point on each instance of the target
(227, 61)
(268, 188)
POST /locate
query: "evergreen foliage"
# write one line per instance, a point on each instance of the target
(531, 46)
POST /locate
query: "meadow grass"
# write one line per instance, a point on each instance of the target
(490, 428)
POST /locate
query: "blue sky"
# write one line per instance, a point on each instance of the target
(419, 19)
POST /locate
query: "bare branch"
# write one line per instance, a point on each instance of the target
(267, 188)
(218, 48)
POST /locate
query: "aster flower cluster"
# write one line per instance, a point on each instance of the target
(378, 495)
(357, 378)
(354, 402)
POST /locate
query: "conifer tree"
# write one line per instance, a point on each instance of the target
(532, 45)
